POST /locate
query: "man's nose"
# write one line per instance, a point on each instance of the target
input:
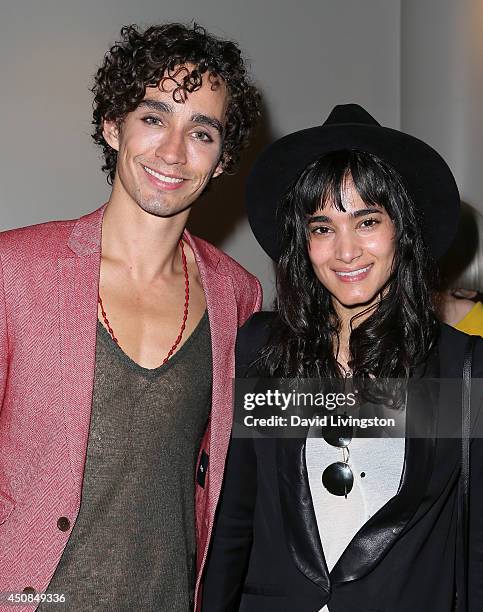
(172, 148)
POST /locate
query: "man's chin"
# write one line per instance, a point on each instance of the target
(157, 208)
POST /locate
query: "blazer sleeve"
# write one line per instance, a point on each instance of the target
(475, 561)
(4, 349)
(232, 535)
(250, 298)
(258, 296)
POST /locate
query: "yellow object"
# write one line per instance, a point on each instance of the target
(472, 323)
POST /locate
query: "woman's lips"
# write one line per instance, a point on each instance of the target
(353, 276)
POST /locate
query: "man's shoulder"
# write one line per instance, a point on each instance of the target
(246, 287)
(44, 239)
(221, 260)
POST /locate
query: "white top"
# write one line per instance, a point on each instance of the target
(338, 518)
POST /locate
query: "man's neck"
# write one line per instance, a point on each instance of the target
(144, 245)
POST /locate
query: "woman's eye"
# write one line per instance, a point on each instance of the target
(321, 229)
(367, 223)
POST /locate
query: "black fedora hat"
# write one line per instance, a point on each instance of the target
(426, 175)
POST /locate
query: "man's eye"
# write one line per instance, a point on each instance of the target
(203, 136)
(152, 120)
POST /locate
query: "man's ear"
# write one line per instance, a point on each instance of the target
(110, 131)
(220, 168)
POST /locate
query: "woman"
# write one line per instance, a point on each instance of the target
(353, 213)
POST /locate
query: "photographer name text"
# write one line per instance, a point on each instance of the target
(332, 420)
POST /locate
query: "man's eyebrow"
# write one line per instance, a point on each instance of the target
(356, 214)
(205, 120)
(162, 107)
(166, 107)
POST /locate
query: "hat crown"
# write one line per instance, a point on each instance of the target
(349, 113)
(349, 127)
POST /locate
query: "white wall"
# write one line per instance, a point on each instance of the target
(306, 57)
(442, 84)
(442, 101)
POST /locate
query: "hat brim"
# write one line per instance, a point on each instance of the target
(426, 175)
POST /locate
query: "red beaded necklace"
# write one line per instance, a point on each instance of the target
(185, 314)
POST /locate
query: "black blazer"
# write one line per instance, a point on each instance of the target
(266, 553)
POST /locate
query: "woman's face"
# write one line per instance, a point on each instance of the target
(352, 251)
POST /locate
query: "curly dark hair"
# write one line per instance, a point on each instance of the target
(142, 58)
(401, 329)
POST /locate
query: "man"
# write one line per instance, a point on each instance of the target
(116, 386)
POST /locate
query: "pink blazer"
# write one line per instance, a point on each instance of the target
(48, 314)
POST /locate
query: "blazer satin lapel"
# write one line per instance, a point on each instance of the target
(78, 290)
(298, 514)
(376, 537)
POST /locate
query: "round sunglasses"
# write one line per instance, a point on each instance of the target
(337, 477)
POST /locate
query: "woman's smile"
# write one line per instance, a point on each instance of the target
(353, 276)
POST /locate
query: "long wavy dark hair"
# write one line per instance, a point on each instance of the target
(142, 59)
(398, 333)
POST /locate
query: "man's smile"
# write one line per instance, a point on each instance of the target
(165, 181)
(166, 178)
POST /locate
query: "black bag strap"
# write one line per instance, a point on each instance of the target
(464, 485)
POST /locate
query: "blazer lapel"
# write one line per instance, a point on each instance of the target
(298, 514)
(375, 538)
(78, 290)
(377, 535)
(223, 318)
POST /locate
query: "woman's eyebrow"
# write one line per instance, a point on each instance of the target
(320, 219)
(365, 211)
(356, 214)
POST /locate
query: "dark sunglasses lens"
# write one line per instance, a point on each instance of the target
(338, 479)
(338, 436)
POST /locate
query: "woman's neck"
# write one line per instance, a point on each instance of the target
(341, 346)
(349, 318)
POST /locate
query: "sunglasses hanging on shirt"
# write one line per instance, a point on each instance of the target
(337, 477)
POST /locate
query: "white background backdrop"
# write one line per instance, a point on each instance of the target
(414, 64)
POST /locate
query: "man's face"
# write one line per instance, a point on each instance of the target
(168, 151)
